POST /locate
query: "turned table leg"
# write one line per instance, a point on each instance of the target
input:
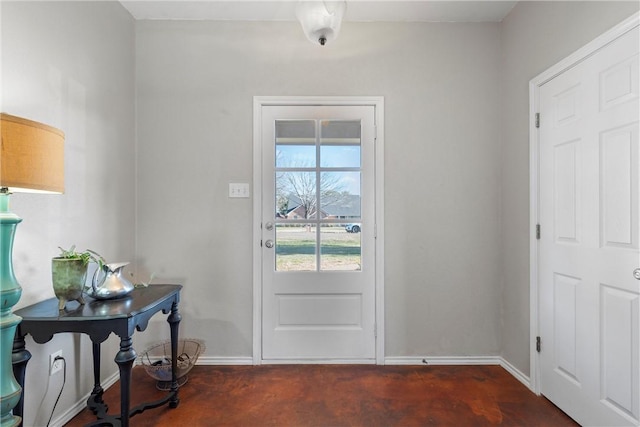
(125, 358)
(95, 402)
(174, 321)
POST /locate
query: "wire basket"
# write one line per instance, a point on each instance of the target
(157, 361)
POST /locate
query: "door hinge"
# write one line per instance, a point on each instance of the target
(375, 330)
(375, 132)
(538, 231)
(538, 120)
(538, 346)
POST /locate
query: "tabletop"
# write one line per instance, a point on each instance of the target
(141, 299)
(98, 318)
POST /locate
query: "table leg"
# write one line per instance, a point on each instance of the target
(19, 358)
(174, 321)
(125, 358)
(95, 402)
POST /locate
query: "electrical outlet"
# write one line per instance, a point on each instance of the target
(55, 365)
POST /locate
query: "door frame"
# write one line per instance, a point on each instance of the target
(534, 175)
(262, 101)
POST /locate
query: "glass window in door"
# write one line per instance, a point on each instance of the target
(318, 195)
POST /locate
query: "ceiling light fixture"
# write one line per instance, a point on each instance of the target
(321, 20)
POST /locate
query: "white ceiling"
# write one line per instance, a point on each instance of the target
(357, 10)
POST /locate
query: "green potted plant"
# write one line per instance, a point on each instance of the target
(69, 273)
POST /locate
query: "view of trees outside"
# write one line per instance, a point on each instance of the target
(299, 189)
(320, 194)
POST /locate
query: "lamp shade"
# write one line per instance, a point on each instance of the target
(320, 20)
(31, 156)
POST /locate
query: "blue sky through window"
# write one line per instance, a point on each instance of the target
(331, 156)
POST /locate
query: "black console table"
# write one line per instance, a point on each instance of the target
(98, 319)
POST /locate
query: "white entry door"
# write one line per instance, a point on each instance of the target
(318, 234)
(589, 202)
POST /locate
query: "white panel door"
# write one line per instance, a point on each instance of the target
(318, 234)
(589, 204)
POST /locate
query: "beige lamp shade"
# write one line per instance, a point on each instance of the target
(32, 156)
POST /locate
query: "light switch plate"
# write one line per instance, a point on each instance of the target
(239, 190)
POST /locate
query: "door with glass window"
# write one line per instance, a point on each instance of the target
(318, 231)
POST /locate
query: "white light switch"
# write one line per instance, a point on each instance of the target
(239, 190)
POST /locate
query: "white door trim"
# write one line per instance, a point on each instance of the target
(534, 191)
(258, 103)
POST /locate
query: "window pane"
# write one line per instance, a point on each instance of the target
(340, 194)
(295, 247)
(340, 156)
(296, 195)
(339, 249)
(295, 156)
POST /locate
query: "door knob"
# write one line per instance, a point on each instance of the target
(269, 243)
(636, 273)
(269, 226)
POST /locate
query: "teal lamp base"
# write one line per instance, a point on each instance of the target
(9, 387)
(10, 292)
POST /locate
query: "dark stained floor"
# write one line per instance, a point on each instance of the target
(342, 395)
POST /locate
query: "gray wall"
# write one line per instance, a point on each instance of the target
(70, 65)
(195, 86)
(457, 277)
(534, 36)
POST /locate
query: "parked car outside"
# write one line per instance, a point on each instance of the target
(352, 228)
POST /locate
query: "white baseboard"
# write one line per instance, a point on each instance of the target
(524, 379)
(443, 360)
(318, 362)
(464, 360)
(211, 361)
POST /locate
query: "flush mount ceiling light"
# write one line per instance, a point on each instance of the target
(321, 20)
